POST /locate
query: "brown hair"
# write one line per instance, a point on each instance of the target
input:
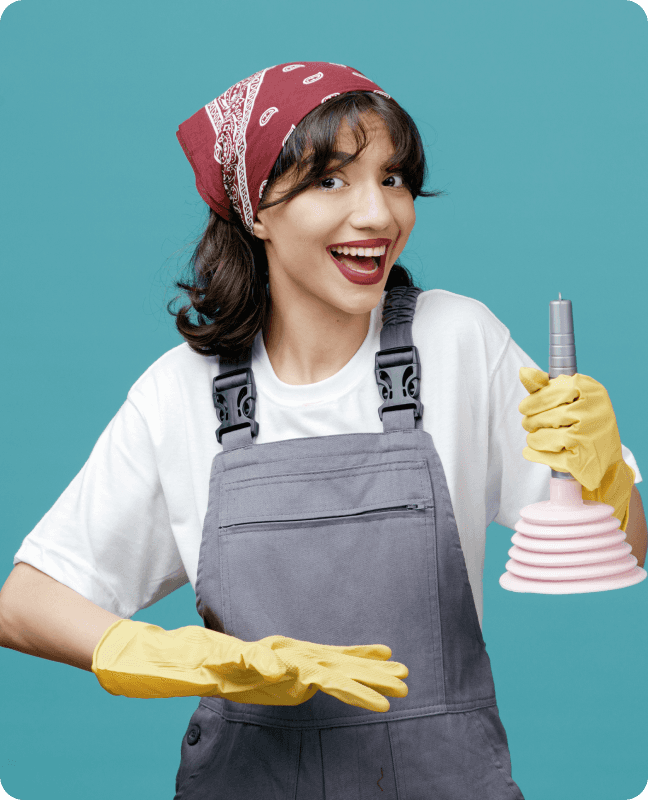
(227, 285)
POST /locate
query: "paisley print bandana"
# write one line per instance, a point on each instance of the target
(233, 142)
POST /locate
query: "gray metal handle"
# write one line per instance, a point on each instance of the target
(562, 349)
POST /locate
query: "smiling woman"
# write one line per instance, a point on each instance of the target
(230, 274)
(368, 433)
(321, 305)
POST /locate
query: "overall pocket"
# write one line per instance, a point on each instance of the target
(348, 579)
(454, 756)
(325, 551)
(329, 579)
(198, 749)
(241, 762)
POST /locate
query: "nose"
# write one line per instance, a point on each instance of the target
(370, 207)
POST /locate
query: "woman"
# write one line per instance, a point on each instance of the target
(368, 434)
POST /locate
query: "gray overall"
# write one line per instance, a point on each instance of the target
(344, 540)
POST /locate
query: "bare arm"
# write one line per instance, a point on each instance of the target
(636, 532)
(42, 617)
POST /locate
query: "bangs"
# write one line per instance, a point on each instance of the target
(311, 149)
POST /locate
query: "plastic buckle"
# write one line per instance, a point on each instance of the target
(398, 373)
(234, 396)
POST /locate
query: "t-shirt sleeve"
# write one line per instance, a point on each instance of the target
(108, 536)
(513, 482)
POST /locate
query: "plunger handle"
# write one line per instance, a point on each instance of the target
(562, 349)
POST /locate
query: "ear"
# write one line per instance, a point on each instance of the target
(260, 230)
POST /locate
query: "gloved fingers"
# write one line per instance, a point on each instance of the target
(384, 683)
(365, 666)
(588, 472)
(311, 665)
(332, 657)
(351, 676)
(274, 695)
(559, 391)
(353, 693)
(557, 461)
(567, 389)
(560, 417)
(334, 666)
(552, 440)
(402, 690)
(383, 677)
(354, 676)
(533, 379)
(291, 689)
(570, 439)
(375, 652)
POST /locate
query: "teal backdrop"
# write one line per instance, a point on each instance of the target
(535, 121)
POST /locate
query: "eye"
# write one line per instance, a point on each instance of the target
(329, 188)
(396, 176)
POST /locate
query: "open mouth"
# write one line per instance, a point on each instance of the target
(358, 263)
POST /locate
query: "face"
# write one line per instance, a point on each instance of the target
(359, 202)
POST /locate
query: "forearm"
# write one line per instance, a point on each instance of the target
(636, 532)
(41, 617)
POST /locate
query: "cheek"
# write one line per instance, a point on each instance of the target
(305, 227)
(406, 222)
(411, 216)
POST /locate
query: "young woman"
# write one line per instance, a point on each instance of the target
(368, 432)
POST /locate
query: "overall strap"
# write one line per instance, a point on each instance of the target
(234, 393)
(398, 367)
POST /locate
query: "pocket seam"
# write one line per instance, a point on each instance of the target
(288, 477)
(226, 492)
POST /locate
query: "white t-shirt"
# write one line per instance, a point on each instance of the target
(127, 530)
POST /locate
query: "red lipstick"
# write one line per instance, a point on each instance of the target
(358, 277)
(355, 276)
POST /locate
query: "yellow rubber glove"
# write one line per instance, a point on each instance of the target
(136, 659)
(343, 672)
(572, 428)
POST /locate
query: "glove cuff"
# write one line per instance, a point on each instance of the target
(114, 641)
(615, 490)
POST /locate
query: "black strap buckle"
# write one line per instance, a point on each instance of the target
(398, 374)
(234, 396)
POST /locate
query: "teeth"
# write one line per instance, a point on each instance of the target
(360, 251)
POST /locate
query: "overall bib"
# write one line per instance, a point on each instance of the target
(344, 540)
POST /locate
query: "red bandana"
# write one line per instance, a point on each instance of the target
(233, 142)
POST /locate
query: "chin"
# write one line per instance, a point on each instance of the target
(360, 299)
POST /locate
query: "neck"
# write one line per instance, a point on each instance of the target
(308, 344)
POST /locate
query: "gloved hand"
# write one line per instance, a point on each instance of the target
(343, 672)
(136, 659)
(572, 428)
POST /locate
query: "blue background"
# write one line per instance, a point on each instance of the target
(535, 120)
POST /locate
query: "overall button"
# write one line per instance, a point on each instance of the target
(194, 734)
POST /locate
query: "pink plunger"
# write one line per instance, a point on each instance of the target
(568, 545)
